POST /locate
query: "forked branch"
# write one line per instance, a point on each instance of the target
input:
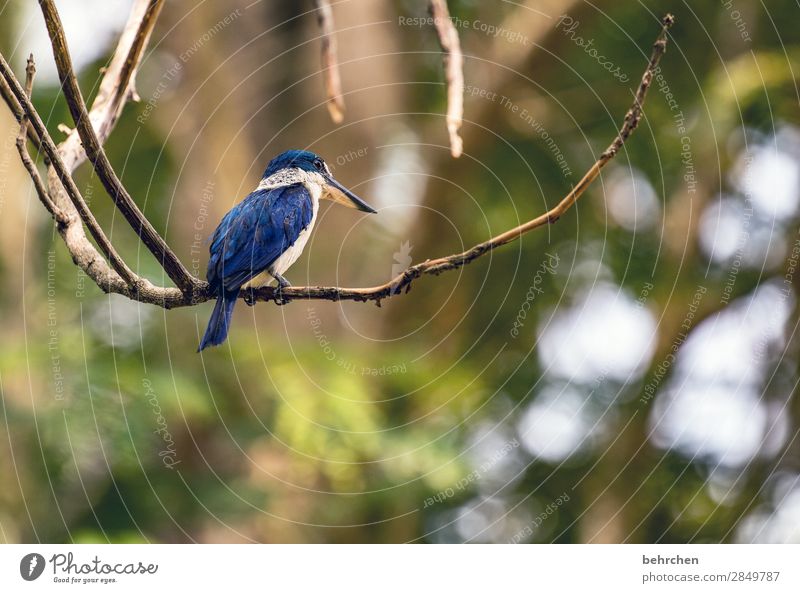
(63, 200)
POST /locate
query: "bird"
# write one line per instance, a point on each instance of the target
(265, 233)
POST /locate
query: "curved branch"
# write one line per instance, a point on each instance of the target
(443, 264)
(453, 70)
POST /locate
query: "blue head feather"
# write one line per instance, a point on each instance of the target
(308, 161)
(295, 159)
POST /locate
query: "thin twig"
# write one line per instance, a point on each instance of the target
(330, 62)
(453, 70)
(94, 151)
(25, 157)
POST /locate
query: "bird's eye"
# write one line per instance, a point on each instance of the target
(318, 164)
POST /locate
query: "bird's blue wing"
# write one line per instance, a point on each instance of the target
(256, 232)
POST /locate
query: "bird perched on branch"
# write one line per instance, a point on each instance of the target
(263, 235)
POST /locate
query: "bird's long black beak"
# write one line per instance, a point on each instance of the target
(341, 195)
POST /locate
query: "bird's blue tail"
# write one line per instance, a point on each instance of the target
(220, 321)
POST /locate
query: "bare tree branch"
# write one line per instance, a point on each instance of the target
(49, 148)
(69, 155)
(113, 92)
(117, 83)
(118, 78)
(116, 90)
(454, 72)
(94, 151)
(330, 62)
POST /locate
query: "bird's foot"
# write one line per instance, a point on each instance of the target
(282, 283)
(279, 299)
(249, 297)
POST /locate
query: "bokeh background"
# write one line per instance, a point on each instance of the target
(626, 375)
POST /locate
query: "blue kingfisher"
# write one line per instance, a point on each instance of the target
(264, 234)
